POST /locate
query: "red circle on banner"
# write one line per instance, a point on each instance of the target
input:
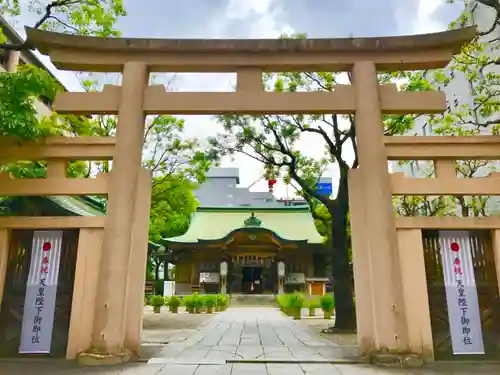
(46, 246)
(454, 247)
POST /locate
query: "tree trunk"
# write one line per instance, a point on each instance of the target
(345, 316)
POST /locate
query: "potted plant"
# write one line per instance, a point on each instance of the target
(166, 303)
(173, 303)
(281, 301)
(189, 303)
(157, 302)
(327, 303)
(222, 302)
(197, 303)
(295, 302)
(210, 301)
(218, 305)
(312, 305)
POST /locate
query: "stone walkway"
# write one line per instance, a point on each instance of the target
(220, 344)
(257, 334)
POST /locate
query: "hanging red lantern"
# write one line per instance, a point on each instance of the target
(270, 185)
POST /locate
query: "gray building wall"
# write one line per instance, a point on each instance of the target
(221, 189)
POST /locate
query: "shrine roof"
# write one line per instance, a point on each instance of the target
(78, 205)
(214, 223)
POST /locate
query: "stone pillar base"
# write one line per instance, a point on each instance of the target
(395, 360)
(103, 359)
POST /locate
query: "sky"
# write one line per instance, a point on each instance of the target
(265, 19)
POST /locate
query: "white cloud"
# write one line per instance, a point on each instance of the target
(237, 9)
(263, 25)
(425, 22)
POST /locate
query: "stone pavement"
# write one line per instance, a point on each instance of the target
(254, 333)
(244, 334)
(56, 367)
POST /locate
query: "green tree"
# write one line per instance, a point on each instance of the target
(82, 17)
(172, 205)
(19, 116)
(18, 113)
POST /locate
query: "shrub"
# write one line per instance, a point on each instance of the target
(197, 302)
(210, 300)
(189, 303)
(174, 301)
(313, 303)
(294, 303)
(295, 300)
(222, 302)
(157, 301)
(327, 303)
(281, 301)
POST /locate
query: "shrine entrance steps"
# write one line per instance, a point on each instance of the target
(248, 300)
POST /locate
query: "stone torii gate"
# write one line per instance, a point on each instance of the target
(384, 321)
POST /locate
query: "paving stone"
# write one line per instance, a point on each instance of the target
(249, 369)
(142, 370)
(213, 370)
(319, 369)
(367, 370)
(284, 369)
(178, 370)
(193, 354)
(250, 352)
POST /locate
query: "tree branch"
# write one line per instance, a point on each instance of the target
(48, 15)
(495, 4)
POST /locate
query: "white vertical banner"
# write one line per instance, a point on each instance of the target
(41, 291)
(461, 294)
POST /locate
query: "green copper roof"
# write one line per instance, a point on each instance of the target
(77, 205)
(213, 223)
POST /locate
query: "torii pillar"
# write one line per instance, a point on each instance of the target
(110, 316)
